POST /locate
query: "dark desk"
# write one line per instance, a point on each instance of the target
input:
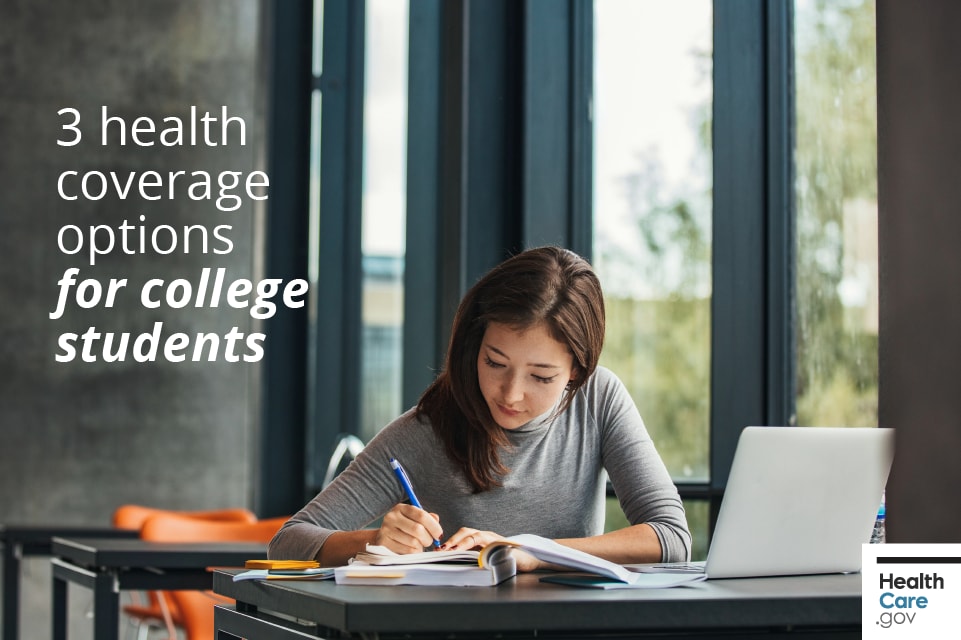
(110, 565)
(20, 541)
(526, 608)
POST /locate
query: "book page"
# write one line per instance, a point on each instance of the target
(379, 555)
(555, 553)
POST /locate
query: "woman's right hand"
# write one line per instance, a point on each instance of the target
(407, 529)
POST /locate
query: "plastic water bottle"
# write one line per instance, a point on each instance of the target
(877, 535)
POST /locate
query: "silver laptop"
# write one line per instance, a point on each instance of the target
(799, 500)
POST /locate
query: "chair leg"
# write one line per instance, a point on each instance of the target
(141, 627)
(168, 619)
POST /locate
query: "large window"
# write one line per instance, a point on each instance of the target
(652, 221)
(652, 187)
(716, 160)
(356, 239)
(384, 215)
(799, 192)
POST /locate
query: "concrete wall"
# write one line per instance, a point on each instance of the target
(919, 173)
(80, 438)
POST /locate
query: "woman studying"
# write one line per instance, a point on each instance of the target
(517, 434)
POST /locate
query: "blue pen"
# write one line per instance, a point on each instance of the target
(408, 489)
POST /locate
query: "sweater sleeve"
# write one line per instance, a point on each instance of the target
(643, 486)
(359, 495)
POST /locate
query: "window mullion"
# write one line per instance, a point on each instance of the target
(738, 310)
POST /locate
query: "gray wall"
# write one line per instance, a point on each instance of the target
(79, 438)
(919, 149)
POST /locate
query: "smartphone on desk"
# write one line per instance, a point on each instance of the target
(317, 571)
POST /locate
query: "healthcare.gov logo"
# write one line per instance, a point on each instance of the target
(910, 591)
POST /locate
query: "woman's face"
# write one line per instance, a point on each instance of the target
(522, 373)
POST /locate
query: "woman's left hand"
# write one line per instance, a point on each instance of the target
(467, 538)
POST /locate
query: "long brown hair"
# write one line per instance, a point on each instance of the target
(548, 285)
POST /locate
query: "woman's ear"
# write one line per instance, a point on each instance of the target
(575, 379)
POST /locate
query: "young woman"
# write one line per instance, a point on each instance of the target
(518, 434)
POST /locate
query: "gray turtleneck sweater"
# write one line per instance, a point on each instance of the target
(555, 487)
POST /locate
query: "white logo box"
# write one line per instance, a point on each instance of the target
(910, 591)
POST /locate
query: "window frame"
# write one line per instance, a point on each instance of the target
(752, 325)
(477, 194)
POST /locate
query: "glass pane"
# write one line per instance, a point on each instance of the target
(652, 188)
(698, 512)
(384, 212)
(837, 206)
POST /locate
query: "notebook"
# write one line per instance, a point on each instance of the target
(799, 500)
(427, 574)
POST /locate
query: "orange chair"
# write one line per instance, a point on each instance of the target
(160, 611)
(197, 607)
(132, 516)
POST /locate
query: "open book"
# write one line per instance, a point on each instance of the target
(491, 565)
